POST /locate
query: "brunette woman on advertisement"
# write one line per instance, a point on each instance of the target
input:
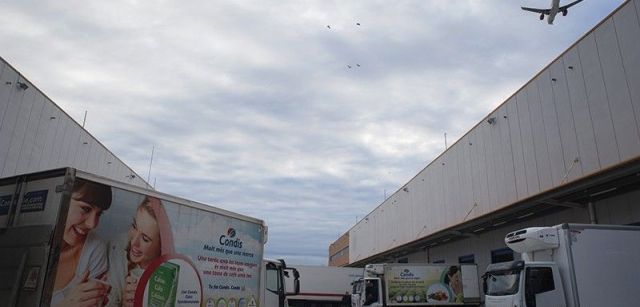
(83, 261)
(149, 237)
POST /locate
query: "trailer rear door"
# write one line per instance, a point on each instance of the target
(29, 207)
(470, 283)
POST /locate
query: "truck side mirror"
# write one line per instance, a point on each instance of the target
(296, 286)
(296, 281)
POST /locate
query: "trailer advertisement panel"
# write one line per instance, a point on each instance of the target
(417, 285)
(148, 251)
(6, 198)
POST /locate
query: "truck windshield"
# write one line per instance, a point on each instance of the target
(503, 282)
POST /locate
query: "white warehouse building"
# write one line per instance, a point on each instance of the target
(36, 135)
(564, 148)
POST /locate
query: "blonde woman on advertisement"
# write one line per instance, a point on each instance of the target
(83, 262)
(149, 237)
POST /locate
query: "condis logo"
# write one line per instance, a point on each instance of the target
(229, 240)
(406, 273)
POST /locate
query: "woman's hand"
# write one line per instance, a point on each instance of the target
(87, 293)
(131, 283)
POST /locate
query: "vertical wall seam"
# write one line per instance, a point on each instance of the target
(573, 121)
(526, 180)
(544, 129)
(486, 174)
(78, 144)
(35, 140)
(59, 124)
(586, 94)
(502, 152)
(4, 113)
(53, 127)
(513, 160)
(62, 139)
(606, 92)
(461, 198)
(2, 71)
(473, 191)
(505, 150)
(491, 162)
(89, 155)
(636, 10)
(626, 79)
(535, 157)
(555, 111)
(526, 177)
(13, 129)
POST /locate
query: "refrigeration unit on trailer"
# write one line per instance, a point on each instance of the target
(70, 238)
(568, 265)
(324, 285)
(414, 284)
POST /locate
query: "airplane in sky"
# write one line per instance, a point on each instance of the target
(555, 9)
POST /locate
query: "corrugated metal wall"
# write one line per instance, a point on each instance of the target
(482, 245)
(580, 115)
(36, 135)
(620, 210)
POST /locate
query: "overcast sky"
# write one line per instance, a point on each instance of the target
(252, 106)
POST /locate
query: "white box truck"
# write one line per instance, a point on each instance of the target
(568, 265)
(70, 238)
(324, 285)
(411, 284)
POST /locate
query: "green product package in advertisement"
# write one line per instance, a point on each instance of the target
(163, 285)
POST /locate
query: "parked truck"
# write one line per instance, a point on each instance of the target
(70, 238)
(324, 286)
(396, 284)
(568, 265)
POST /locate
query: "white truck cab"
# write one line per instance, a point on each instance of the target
(504, 283)
(367, 292)
(568, 265)
(275, 274)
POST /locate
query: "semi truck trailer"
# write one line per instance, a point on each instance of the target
(71, 238)
(395, 284)
(568, 265)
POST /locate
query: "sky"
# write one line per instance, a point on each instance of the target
(305, 114)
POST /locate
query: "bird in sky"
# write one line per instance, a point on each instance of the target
(328, 27)
(349, 66)
(357, 23)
